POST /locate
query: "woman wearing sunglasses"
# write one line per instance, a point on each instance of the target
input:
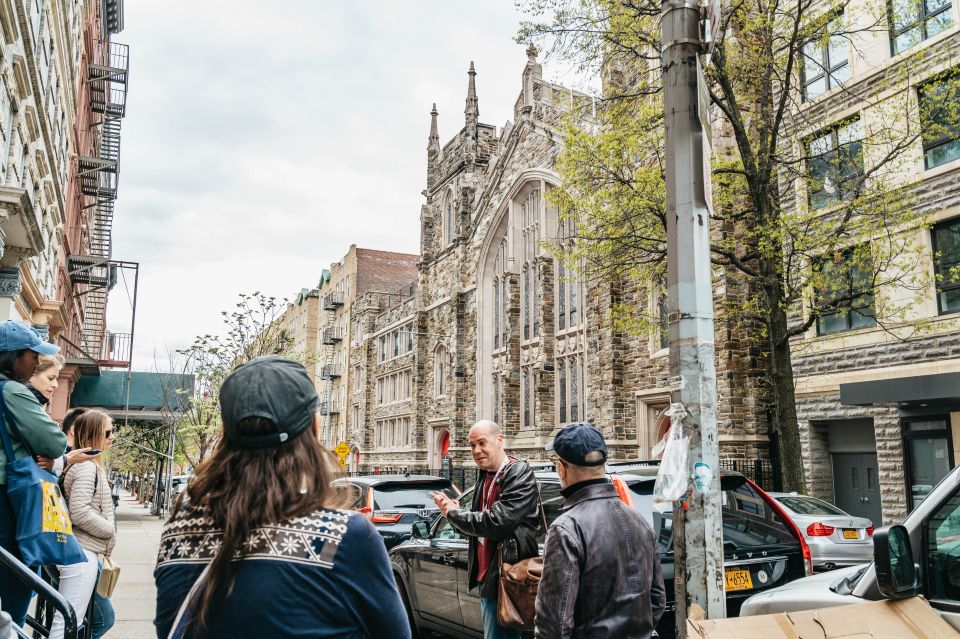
(91, 510)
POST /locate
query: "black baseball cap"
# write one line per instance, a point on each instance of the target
(273, 388)
(580, 445)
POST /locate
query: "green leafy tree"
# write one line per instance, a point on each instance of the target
(814, 215)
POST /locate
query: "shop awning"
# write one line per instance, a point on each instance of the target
(901, 390)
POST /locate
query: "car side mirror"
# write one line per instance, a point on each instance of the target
(893, 562)
(420, 530)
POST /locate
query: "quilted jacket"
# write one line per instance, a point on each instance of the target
(91, 507)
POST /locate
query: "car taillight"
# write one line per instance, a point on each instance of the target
(379, 517)
(804, 547)
(869, 531)
(816, 529)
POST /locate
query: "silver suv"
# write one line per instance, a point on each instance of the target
(919, 557)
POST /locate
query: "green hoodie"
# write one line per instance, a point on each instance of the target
(37, 428)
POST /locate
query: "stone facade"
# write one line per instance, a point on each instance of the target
(48, 125)
(913, 351)
(360, 272)
(502, 330)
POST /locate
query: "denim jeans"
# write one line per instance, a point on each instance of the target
(103, 616)
(492, 629)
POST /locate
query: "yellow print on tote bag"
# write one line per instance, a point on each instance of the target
(56, 517)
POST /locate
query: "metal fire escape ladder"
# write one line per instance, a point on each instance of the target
(98, 176)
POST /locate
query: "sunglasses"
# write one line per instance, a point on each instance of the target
(108, 433)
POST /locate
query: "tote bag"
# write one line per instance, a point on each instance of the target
(44, 532)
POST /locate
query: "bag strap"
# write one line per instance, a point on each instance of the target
(7, 445)
(179, 628)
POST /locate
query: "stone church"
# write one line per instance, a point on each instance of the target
(496, 328)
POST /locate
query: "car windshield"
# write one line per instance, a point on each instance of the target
(748, 520)
(394, 497)
(809, 505)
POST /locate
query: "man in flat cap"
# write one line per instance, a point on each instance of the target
(601, 571)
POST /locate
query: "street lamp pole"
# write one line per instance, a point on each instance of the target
(697, 531)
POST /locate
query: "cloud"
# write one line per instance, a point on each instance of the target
(263, 138)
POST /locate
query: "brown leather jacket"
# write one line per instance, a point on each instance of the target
(601, 570)
(514, 516)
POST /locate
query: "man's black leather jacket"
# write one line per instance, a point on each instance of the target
(601, 570)
(514, 516)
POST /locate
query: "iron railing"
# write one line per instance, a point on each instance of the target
(50, 599)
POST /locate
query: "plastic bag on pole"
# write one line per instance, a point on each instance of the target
(673, 476)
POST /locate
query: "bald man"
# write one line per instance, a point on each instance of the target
(504, 513)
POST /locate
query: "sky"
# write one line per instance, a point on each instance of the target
(263, 138)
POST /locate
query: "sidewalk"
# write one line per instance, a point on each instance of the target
(138, 537)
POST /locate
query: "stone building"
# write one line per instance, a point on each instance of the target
(300, 322)
(499, 329)
(880, 405)
(63, 96)
(361, 271)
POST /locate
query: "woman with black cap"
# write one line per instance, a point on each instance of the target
(20, 349)
(256, 546)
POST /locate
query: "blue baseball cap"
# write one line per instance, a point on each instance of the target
(580, 445)
(17, 336)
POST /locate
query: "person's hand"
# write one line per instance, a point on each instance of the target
(444, 503)
(80, 455)
(44, 462)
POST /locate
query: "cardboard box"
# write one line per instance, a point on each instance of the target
(906, 618)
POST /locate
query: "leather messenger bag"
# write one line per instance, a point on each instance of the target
(517, 594)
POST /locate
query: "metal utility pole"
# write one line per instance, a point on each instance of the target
(697, 527)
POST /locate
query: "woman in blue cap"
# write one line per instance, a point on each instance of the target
(20, 350)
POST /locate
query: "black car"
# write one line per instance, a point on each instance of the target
(762, 550)
(394, 502)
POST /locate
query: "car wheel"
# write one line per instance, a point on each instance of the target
(414, 631)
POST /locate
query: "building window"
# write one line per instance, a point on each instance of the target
(382, 348)
(529, 397)
(440, 372)
(946, 252)
(663, 322)
(392, 433)
(530, 239)
(913, 21)
(846, 284)
(501, 297)
(570, 389)
(570, 293)
(835, 164)
(940, 119)
(497, 381)
(395, 387)
(825, 61)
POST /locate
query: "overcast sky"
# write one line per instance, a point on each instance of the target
(263, 138)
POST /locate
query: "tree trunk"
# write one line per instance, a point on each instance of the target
(784, 397)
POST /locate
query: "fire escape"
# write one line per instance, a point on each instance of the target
(96, 272)
(330, 372)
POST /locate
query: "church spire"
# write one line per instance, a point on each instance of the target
(433, 148)
(472, 110)
(433, 143)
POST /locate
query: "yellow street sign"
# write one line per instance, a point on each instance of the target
(342, 450)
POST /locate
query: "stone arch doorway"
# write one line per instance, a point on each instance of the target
(441, 447)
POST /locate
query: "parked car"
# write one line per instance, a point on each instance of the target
(395, 502)
(928, 539)
(762, 549)
(836, 538)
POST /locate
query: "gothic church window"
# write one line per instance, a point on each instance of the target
(570, 299)
(501, 297)
(440, 372)
(530, 239)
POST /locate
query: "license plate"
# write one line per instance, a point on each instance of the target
(850, 533)
(738, 580)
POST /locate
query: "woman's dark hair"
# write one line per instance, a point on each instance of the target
(242, 489)
(70, 418)
(7, 360)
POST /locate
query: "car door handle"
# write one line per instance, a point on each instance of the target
(450, 560)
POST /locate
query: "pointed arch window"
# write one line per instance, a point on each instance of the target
(449, 222)
(440, 372)
(571, 392)
(529, 218)
(501, 297)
